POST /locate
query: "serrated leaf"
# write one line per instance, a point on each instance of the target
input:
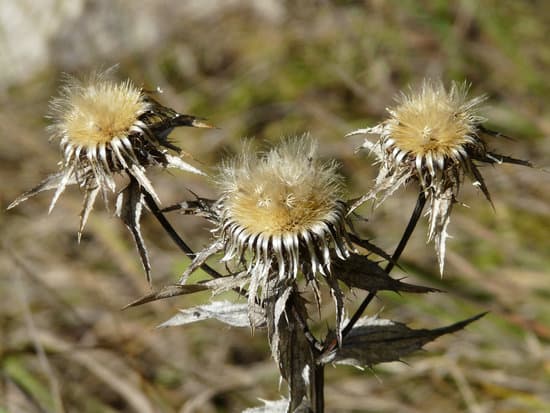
(233, 282)
(137, 172)
(358, 271)
(178, 163)
(201, 207)
(441, 201)
(492, 157)
(276, 309)
(235, 315)
(89, 200)
(369, 246)
(217, 286)
(374, 340)
(338, 298)
(168, 291)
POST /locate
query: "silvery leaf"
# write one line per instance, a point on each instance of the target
(217, 286)
(235, 315)
(200, 207)
(289, 346)
(178, 163)
(53, 181)
(200, 258)
(234, 282)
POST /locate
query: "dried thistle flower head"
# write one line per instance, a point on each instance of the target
(434, 125)
(283, 209)
(105, 128)
(434, 136)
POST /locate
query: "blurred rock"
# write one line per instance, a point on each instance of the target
(75, 33)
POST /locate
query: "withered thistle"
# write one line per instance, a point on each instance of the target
(280, 214)
(281, 218)
(283, 209)
(433, 136)
(107, 128)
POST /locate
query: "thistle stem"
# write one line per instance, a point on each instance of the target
(182, 245)
(358, 313)
(413, 220)
(318, 395)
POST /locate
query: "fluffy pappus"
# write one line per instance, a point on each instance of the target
(283, 208)
(105, 128)
(435, 136)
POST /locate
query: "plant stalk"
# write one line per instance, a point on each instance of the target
(318, 391)
(415, 216)
(182, 245)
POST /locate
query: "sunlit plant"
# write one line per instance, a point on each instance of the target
(280, 230)
(434, 136)
(107, 128)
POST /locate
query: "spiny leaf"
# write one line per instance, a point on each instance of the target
(200, 206)
(178, 163)
(374, 340)
(200, 259)
(51, 182)
(289, 346)
(217, 286)
(358, 271)
(167, 292)
(369, 246)
(492, 157)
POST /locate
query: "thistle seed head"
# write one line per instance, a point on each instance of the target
(433, 136)
(96, 112)
(434, 125)
(283, 209)
(105, 128)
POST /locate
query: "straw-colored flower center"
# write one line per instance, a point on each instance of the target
(285, 191)
(101, 111)
(434, 121)
(275, 207)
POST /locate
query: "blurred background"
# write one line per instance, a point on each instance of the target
(263, 69)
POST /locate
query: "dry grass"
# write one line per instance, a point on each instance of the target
(264, 71)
